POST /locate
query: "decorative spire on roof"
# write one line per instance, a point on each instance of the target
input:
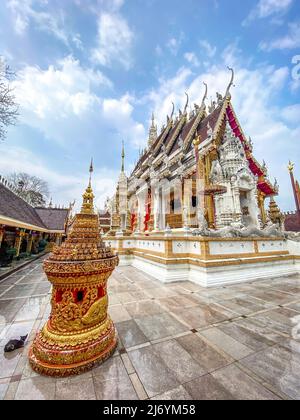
(276, 185)
(274, 212)
(291, 166)
(186, 104)
(50, 203)
(205, 96)
(123, 156)
(91, 170)
(169, 119)
(264, 168)
(88, 196)
(250, 144)
(294, 186)
(219, 98)
(152, 132)
(227, 94)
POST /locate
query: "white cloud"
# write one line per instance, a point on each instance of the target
(192, 58)
(231, 55)
(170, 90)
(289, 41)
(58, 92)
(65, 102)
(34, 12)
(173, 44)
(94, 6)
(291, 113)
(209, 49)
(267, 8)
(120, 111)
(114, 41)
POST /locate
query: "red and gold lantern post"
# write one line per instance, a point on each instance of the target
(79, 333)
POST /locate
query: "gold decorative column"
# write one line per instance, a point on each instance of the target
(29, 243)
(79, 333)
(274, 213)
(2, 230)
(18, 241)
(209, 199)
(261, 204)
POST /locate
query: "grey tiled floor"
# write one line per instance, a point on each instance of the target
(176, 341)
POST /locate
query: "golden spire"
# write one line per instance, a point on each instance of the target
(91, 171)
(123, 156)
(291, 166)
(88, 196)
(152, 132)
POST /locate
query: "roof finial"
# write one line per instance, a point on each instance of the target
(291, 166)
(230, 83)
(152, 132)
(152, 119)
(173, 109)
(205, 95)
(50, 203)
(187, 102)
(123, 156)
(88, 196)
(91, 170)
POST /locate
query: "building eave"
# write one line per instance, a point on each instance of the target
(4, 220)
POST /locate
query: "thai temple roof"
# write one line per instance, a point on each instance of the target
(204, 122)
(15, 208)
(52, 218)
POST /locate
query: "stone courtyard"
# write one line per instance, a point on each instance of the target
(176, 341)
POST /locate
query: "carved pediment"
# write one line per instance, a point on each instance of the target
(245, 179)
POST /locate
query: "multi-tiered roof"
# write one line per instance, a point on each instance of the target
(173, 147)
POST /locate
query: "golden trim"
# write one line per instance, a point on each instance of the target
(211, 263)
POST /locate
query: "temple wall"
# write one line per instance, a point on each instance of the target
(186, 247)
(209, 261)
(293, 247)
(231, 247)
(269, 246)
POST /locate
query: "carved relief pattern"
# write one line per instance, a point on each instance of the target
(79, 333)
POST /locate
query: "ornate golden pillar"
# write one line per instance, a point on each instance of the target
(261, 205)
(19, 236)
(29, 243)
(209, 199)
(79, 333)
(2, 230)
(187, 193)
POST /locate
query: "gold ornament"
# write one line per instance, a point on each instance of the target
(79, 333)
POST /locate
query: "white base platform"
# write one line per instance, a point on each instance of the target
(213, 276)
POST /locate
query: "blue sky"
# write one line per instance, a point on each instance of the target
(90, 73)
